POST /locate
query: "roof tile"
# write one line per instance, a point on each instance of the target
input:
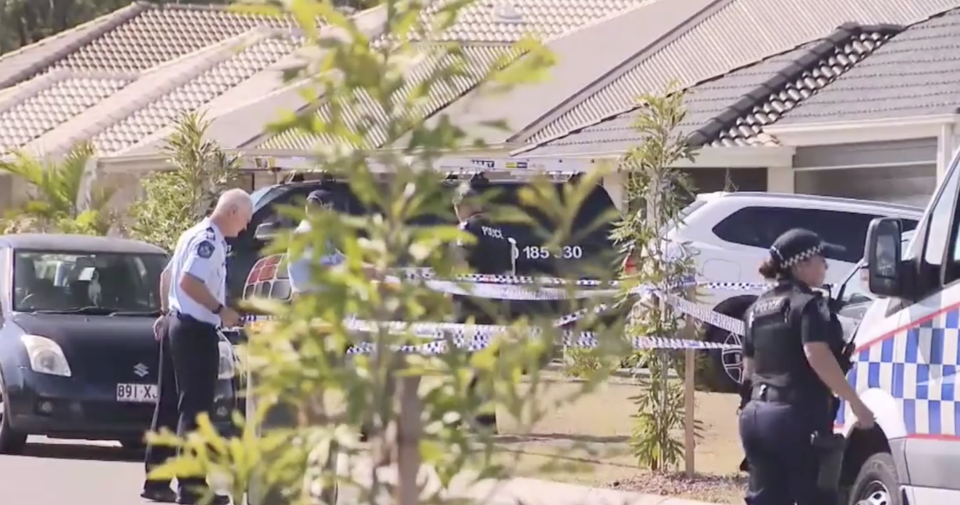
(479, 59)
(732, 110)
(55, 104)
(914, 74)
(194, 94)
(162, 34)
(739, 33)
(503, 21)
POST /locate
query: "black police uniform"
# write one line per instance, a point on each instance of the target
(492, 252)
(790, 412)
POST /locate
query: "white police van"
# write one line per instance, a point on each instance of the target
(905, 363)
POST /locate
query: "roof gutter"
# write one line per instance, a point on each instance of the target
(853, 132)
(708, 157)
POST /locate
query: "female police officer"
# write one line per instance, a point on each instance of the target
(791, 371)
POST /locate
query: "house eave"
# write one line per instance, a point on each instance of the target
(854, 132)
(709, 157)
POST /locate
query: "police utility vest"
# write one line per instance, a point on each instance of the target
(774, 323)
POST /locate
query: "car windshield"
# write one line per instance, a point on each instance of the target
(86, 282)
(681, 216)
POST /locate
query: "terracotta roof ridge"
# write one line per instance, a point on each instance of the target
(826, 48)
(108, 23)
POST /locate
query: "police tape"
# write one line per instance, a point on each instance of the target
(519, 291)
(502, 287)
(472, 337)
(586, 340)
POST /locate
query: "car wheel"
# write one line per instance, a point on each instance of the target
(876, 483)
(11, 442)
(727, 364)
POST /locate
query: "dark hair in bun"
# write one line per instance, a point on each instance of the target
(769, 269)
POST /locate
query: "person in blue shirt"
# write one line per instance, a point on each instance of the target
(301, 267)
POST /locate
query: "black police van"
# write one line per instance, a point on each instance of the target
(251, 273)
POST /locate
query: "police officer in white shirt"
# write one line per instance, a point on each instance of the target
(195, 280)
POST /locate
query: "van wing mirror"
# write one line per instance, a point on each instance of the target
(266, 231)
(883, 257)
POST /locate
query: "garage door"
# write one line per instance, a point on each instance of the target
(909, 184)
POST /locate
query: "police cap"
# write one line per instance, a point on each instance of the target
(798, 245)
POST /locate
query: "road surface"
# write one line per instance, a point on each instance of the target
(67, 472)
(56, 472)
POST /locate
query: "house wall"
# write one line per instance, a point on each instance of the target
(6, 193)
(896, 152)
(899, 171)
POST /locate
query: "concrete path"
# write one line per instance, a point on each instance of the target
(54, 472)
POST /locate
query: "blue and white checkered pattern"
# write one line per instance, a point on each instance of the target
(476, 337)
(584, 340)
(917, 366)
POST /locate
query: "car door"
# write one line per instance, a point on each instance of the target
(916, 362)
(5, 284)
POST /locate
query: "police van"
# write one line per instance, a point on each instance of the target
(906, 360)
(252, 273)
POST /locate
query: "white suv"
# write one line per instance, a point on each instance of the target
(730, 234)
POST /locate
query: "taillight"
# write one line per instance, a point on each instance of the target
(630, 264)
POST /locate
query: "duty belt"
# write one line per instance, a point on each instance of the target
(774, 394)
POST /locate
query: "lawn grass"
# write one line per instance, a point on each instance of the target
(588, 440)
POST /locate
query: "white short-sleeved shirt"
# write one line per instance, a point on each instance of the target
(299, 269)
(201, 252)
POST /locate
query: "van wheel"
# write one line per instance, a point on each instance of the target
(11, 442)
(876, 483)
(727, 364)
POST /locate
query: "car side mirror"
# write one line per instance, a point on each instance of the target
(883, 257)
(266, 232)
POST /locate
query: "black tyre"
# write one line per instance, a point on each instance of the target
(876, 482)
(726, 366)
(11, 442)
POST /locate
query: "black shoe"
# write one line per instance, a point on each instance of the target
(193, 499)
(160, 494)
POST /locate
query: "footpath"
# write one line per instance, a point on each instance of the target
(515, 491)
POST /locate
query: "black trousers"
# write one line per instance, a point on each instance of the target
(165, 414)
(783, 464)
(192, 354)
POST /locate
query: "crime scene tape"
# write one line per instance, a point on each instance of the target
(518, 291)
(513, 288)
(583, 340)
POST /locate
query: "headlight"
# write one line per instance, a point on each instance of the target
(226, 366)
(45, 356)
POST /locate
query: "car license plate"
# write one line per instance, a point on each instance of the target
(139, 393)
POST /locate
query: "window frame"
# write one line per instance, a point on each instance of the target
(6, 281)
(138, 256)
(792, 213)
(947, 266)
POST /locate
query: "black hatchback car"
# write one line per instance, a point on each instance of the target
(77, 354)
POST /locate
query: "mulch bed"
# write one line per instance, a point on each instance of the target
(708, 488)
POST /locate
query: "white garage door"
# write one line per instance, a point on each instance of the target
(911, 184)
